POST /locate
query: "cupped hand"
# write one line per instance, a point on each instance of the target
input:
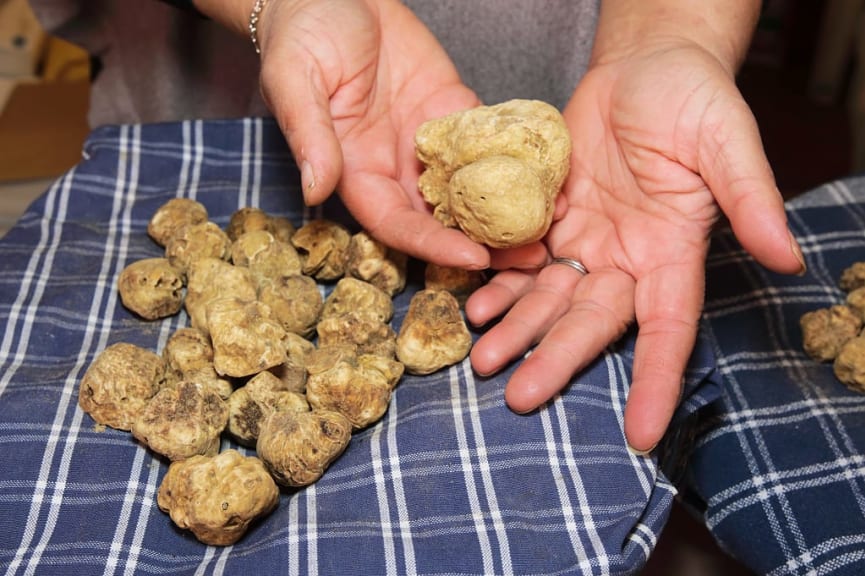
(349, 81)
(661, 140)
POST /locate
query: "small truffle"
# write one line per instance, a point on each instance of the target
(197, 241)
(119, 383)
(174, 215)
(293, 372)
(151, 288)
(371, 261)
(357, 386)
(210, 279)
(265, 256)
(825, 331)
(461, 283)
(849, 365)
(351, 295)
(187, 350)
(246, 339)
(323, 248)
(217, 498)
(297, 447)
(250, 219)
(433, 334)
(250, 404)
(182, 421)
(362, 330)
(295, 300)
(853, 277)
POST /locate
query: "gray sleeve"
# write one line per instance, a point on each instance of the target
(507, 49)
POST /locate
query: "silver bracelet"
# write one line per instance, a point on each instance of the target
(254, 16)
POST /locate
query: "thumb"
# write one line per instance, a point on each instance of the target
(299, 101)
(734, 165)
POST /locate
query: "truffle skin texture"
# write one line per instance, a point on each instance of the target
(246, 339)
(182, 421)
(323, 248)
(217, 498)
(351, 295)
(119, 383)
(357, 386)
(196, 241)
(361, 329)
(371, 261)
(433, 334)
(293, 372)
(210, 279)
(495, 171)
(250, 219)
(174, 215)
(265, 256)
(295, 301)
(151, 288)
(849, 366)
(250, 404)
(459, 282)
(187, 350)
(853, 277)
(297, 447)
(825, 331)
(856, 300)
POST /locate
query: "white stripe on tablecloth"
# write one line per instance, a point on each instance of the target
(643, 466)
(568, 515)
(256, 162)
(309, 496)
(185, 157)
(484, 467)
(197, 158)
(384, 513)
(294, 535)
(467, 469)
(410, 566)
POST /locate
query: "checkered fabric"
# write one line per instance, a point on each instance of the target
(779, 468)
(449, 482)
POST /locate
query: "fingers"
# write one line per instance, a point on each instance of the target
(734, 165)
(498, 295)
(529, 256)
(384, 210)
(601, 310)
(668, 303)
(299, 101)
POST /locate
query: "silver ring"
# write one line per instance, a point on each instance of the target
(570, 262)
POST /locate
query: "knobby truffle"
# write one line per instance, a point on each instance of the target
(433, 334)
(495, 171)
(218, 497)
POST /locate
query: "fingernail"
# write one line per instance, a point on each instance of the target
(797, 252)
(307, 176)
(646, 452)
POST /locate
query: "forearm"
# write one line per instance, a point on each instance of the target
(723, 27)
(233, 14)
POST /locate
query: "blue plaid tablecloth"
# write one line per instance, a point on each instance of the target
(449, 482)
(778, 470)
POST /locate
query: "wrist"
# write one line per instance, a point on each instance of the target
(722, 28)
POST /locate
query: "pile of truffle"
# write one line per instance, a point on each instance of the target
(268, 360)
(835, 334)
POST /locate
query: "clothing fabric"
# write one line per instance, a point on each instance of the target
(450, 481)
(160, 63)
(777, 471)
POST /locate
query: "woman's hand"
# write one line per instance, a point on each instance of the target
(662, 139)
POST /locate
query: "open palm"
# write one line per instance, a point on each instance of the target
(662, 140)
(349, 82)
